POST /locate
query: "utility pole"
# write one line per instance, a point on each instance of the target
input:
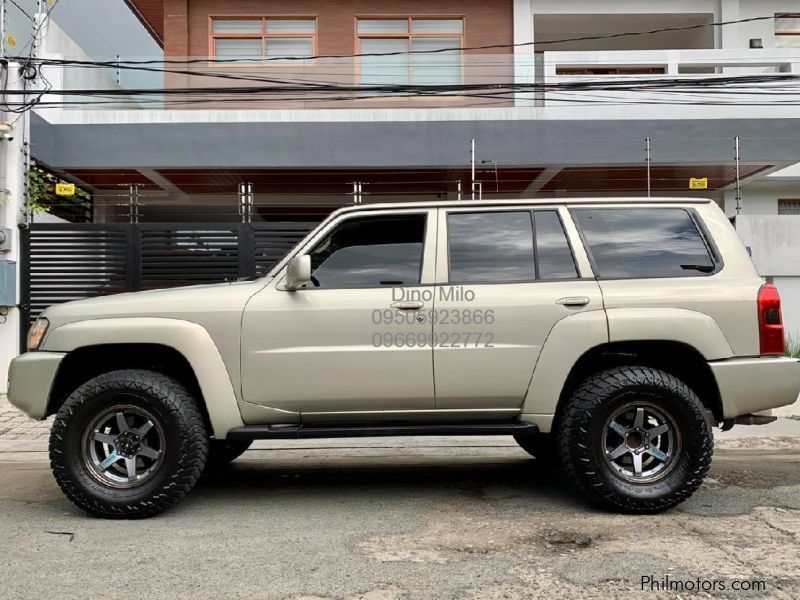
(738, 177)
(472, 162)
(13, 135)
(648, 160)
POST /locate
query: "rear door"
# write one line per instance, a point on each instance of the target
(505, 277)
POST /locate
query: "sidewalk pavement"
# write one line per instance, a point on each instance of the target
(23, 439)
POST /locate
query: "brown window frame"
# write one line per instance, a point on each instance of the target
(786, 33)
(410, 35)
(263, 36)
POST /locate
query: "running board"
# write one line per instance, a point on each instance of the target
(301, 432)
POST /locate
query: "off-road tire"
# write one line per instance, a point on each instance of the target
(581, 447)
(223, 452)
(185, 451)
(542, 446)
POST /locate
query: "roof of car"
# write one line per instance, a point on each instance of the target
(521, 202)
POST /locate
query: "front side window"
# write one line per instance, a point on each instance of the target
(385, 45)
(627, 243)
(370, 252)
(787, 30)
(263, 37)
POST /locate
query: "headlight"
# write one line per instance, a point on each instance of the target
(36, 333)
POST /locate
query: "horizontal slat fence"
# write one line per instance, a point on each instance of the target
(70, 261)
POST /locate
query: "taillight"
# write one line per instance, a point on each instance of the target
(770, 322)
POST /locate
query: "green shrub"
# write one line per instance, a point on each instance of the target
(793, 346)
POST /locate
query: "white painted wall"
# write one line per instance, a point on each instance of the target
(11, 181)
(789, 288)
(731, 36)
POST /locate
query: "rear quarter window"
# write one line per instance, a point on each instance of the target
(632, 243)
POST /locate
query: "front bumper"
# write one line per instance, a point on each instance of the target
(30, 379)
(749, 385)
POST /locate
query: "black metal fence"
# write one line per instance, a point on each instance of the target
(66, 261)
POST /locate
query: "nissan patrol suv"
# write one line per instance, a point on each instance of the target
(607, 334)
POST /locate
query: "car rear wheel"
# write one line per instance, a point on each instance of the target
(635, 439)
(128, 444)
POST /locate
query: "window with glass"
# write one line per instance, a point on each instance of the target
(642, 243)
(259, 38)
(787, 30)
(508, 247)
(434, 44)
(370, 252)
(789, 207)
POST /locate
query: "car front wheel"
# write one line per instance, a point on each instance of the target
(635, 439)
(128, 444)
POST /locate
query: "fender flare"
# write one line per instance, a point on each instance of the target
(568, 340)
(574, 336)
(191, 340)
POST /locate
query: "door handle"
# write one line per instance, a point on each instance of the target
(411, 305)
(573, 301)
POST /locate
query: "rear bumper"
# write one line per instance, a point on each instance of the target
(749, 385)
(30, 379)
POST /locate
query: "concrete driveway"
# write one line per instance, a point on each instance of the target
(404, 518)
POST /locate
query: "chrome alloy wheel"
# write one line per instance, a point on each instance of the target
(641, 442)
(123, 447)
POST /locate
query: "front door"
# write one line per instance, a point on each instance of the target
(355, 339)
(507, 277)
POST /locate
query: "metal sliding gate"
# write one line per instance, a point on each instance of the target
(65, 261)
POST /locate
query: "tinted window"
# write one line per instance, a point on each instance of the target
(660, 242)
(370, 252)
(490, 247)
(553, 254)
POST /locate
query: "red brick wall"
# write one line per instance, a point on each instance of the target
(186, 22)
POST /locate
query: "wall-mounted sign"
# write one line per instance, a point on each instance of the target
(11, 40)
(65, 189)
(698, 183)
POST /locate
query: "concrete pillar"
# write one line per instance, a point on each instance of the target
(524, 56)
(12, 174)
(729, 36)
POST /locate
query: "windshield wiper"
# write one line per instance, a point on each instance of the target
(701, 268)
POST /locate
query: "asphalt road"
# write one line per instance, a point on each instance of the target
(399, 519)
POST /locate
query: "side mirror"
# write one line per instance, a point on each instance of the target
(298, 272)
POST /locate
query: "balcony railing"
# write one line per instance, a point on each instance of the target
(549, 80)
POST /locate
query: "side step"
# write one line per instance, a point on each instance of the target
(301, 432)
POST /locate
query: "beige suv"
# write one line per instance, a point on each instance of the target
(608, 334)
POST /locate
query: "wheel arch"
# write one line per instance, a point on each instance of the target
(676, 358)
(183, 348)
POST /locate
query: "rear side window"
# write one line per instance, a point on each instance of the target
(491, 247)
(553, 254)
(508, 246)
(627, 243)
